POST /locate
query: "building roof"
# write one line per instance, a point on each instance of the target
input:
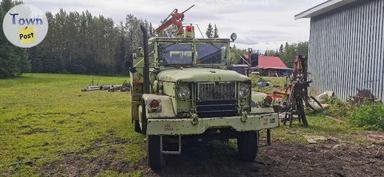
(323, 8)
(270, 62)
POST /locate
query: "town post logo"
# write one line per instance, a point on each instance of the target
(25, 26)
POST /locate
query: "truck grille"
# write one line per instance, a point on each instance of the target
(216, 91)
(216, 99)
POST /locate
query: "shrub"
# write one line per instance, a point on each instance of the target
(338, 108)
(368, 116)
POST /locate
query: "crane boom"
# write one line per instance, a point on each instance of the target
(175, 18)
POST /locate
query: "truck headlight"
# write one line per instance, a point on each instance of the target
(244, 90)
(184, 92)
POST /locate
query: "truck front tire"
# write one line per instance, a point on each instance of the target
(143, 118)
(247, 144)
(155, 157)
(137, 126)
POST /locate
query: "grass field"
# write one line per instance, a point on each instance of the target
(278, 84)
(49, 128)
(45, 121)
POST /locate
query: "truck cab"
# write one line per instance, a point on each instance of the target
(182, 89)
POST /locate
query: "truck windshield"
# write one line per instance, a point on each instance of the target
(175, 53)
(181, 53)
(210, 53)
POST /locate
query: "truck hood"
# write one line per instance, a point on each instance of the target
(200, 75)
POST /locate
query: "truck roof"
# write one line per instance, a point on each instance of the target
(181, 39)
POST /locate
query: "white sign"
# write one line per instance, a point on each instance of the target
(25, 26)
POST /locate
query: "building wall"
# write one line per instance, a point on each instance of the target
(346, 49)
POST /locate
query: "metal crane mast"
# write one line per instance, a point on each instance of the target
(175, 18)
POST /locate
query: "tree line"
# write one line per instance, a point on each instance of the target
(82, 43)
(79, 42)
(13, 60)
(287, 52)
(76, 43)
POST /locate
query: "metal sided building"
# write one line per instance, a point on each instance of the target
(346, 50)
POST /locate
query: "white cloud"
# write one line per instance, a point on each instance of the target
(260, 24)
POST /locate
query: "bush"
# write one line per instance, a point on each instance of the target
(338, 108)
(368, 116)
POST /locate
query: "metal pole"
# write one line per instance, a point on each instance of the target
(146, 60)
(200, 30)
(269, 139)
(188, 8)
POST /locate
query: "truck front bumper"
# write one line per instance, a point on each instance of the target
(186, 126)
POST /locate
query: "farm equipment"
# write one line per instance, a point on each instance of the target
(296, 95)
(182, 89)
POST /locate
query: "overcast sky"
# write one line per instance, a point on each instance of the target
(260, 24)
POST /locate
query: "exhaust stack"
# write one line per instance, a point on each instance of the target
(146, 86)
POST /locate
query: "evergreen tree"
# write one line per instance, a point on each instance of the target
(13, 60)
(271, 53)
(216, 33)
(83, 43)
(288, 52)
(209, 33)
(281, 49)
(151, 30)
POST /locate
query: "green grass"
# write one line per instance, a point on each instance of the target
(277, 82)
(320, 125)
(45, 117)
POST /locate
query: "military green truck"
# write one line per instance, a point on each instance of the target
(182, 89)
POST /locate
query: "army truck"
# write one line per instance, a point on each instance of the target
(182, 89)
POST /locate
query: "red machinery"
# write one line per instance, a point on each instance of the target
(175, 18)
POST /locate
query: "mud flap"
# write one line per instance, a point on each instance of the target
(174, 150)
(268, 139)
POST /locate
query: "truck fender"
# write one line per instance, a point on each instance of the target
(257, 102)
(258, 97)
(166, 108)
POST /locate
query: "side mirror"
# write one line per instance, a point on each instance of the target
(233, 37)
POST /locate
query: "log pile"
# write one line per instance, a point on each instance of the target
(125, 87)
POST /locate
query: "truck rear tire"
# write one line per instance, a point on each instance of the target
(155, 157)
(247, 144)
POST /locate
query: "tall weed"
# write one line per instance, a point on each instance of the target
(368, 116)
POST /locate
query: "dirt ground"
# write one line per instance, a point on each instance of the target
(280, 159)
(328, 158)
